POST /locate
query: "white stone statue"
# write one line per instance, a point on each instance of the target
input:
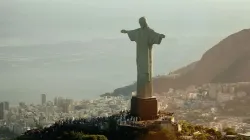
(144, 37)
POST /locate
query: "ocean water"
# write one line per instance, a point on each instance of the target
(80, 70)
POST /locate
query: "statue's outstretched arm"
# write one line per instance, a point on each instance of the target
(162, 36)
(132, 34)
(124, 31)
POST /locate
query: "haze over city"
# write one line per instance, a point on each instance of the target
(75, 49)
(124, 70)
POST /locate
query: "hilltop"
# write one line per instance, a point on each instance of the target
(226, 62)
(112, 128)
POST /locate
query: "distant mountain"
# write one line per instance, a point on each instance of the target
(226, 62)
(185, 69)
(222, 59)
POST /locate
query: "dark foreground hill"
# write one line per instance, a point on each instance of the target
(91, 129)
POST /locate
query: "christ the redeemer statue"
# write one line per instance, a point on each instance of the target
(144, 37)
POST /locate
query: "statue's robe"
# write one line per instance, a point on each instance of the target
(144, 38)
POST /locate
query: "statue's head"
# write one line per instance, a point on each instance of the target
(143, 22)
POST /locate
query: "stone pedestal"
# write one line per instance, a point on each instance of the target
(144, 108)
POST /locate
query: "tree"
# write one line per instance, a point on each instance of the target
(211, 131)
(187, 128)
(218, 135)
(24, 138)
(81, 136)
(199, 128)
(201, 137)
(112, 123)
(70, 136)
(230, 131)
(163, 134)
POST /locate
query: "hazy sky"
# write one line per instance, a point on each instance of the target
(50, 21)
(86, 70)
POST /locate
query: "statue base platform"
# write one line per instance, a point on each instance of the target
(144, 108)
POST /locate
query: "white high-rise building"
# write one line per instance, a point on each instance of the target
(56, 101)
(2, 110)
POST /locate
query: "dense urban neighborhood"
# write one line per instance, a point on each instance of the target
(212, 105)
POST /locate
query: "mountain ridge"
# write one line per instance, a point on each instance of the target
(226, 62)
